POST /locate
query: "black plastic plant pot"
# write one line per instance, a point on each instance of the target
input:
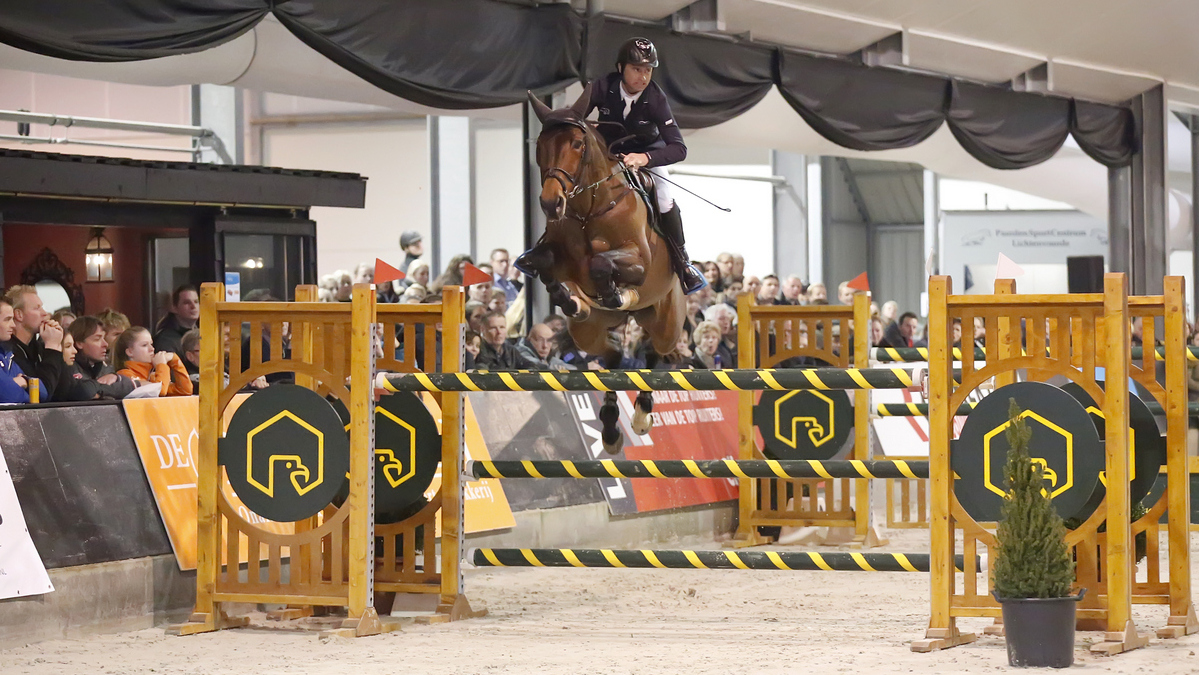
(1040, 631)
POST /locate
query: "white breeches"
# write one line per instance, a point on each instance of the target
(665, 197)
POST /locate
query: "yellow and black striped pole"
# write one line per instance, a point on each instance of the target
(715, 560)
(786, 379)
(687, 468)
(914, 354)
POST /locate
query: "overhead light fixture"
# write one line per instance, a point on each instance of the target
(253, 263)
(98, 255)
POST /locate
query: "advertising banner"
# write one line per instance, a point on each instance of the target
(485, 506)
(165, 431)
(687, 425)
(21, 570)
(534, 425)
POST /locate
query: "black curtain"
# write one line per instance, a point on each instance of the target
(1107, 133)
(461, 54)
(706, 80)
(130, 30)
(455, 54)
(1007, 129)
(859, 107)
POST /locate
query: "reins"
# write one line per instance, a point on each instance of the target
(574, 189)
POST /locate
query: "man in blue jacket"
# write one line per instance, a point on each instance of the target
(14, 386)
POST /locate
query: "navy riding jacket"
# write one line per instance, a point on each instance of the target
(650, 123)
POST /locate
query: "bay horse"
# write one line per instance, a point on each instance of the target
(600, 258)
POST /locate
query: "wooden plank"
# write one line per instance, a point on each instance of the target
(747, 532)
(279, 310)
(362, 471)
(212, 357)
(863, 488)
(282, 599)
(1178, 493)
(1119, 543)
(1051, 301)
(452, 320)
(940, 422)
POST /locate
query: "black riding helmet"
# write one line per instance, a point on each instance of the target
(638, 52)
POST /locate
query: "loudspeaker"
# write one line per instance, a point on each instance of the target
(1085, 273)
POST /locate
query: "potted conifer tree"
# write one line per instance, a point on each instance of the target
(1033, 571)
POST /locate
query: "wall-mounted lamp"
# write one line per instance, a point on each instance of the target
(99, 257)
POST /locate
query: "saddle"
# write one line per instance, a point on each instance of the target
(643, 183)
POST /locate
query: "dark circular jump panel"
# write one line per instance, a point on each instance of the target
(1064, 442)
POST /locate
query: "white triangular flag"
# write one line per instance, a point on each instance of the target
(1006, 268)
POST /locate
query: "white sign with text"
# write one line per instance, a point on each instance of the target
(21, 570)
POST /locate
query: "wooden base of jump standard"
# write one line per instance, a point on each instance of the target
(368, 624)
(457, 610)
(1178, 626)
(1118, 642)
(200, 622)
(936, 639)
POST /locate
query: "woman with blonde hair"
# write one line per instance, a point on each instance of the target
(706, 339)
(135, 358)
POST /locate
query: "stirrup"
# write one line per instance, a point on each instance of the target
(698, 282)
(522, 265)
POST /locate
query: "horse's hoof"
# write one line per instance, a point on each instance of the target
(614, 447)
(642, 422)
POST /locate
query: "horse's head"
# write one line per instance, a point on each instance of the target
(565, 149)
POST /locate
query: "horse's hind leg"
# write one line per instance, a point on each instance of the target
(609, 415)
(642, 407)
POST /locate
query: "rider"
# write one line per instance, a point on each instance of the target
(643, 129)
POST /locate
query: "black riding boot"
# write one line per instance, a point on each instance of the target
(671, 223)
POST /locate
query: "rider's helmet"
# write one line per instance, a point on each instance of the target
(638, 52)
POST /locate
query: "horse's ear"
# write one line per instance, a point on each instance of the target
(539, 108)
(584, 101)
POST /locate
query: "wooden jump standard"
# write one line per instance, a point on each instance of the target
(688, 468)
(713, 560)
(1071, 336)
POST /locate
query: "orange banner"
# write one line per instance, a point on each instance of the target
(166, 433)
(485, 506)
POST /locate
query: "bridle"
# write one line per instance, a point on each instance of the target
(570, 184)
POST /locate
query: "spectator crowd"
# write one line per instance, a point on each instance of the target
(496, 313)
(57, 357)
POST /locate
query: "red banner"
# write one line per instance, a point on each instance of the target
(687, 425)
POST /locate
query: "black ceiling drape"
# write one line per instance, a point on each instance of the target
(1007, 129)
(862, 108)
(1107, 133)
(128, 30)
(707, 80)
(462, 54)
(455, 54)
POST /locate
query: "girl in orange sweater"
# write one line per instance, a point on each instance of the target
(134, 357)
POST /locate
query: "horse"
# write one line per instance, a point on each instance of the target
(600, 258)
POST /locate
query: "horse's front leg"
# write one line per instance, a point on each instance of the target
(539, 262)
(619, 267)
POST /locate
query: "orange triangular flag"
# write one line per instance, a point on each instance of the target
(385, 272)
(473, 275)
(860, 283)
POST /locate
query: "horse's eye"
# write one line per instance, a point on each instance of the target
(577, 145)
